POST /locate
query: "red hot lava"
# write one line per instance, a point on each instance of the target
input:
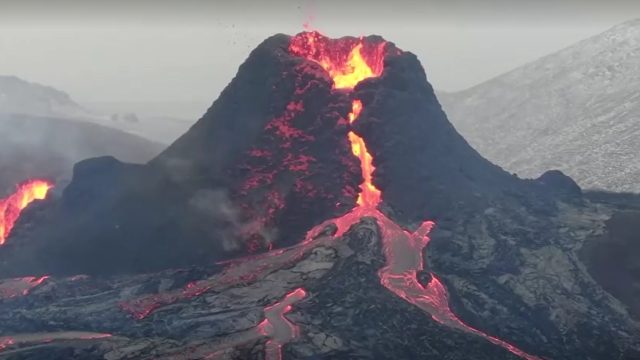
(11, 207)
(348, 61)
(403, 251)
(277, 327)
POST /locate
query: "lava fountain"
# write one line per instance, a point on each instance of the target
(12, 206)
(348, 65)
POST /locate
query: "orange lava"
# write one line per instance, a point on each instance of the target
(277, 327)
(403, 250)
(347, 61)
(11, 207)
(369, 195)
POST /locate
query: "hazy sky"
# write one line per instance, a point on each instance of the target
(187, 51)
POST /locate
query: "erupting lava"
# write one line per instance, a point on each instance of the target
(369, 195)
(403, 251)
(346, 61)
(11, 207)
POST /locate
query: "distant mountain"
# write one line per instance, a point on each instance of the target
(18, 96)
(577, 110)
(32, 146)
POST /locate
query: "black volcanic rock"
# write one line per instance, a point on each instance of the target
(612, 258)
(560, 183)
(424, 168)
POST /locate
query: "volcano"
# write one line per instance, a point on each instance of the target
(299, 210)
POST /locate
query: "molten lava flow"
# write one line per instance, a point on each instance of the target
(11, 207)
(277, 327)
(347, 61)
(369, 195)
(403, 251)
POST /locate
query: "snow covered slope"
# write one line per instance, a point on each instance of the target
(577, 110)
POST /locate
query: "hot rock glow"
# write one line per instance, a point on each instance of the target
(348, 61)
(11, 207)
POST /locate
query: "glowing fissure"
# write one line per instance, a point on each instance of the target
(277, 327)
(12, 206)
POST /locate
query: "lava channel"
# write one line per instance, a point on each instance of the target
(277, 327)
(12, 206)
(403, 251)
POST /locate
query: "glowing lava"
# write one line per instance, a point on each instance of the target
(347, 61)
(277, 327)
(11, 207)
(403, 250)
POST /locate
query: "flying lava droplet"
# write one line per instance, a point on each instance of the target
(11, 207)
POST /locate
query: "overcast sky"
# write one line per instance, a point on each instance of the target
(187, 51)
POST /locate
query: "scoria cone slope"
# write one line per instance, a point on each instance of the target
(366, 276)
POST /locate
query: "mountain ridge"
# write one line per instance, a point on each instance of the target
(563, 111)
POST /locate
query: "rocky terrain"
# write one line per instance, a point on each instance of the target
(322, 222)
(576, 110)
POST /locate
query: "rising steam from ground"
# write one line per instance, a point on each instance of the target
(237, 230)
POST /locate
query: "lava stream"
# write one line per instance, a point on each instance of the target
(45, 338)
(11, 207)
(403, 251)
(277, 327)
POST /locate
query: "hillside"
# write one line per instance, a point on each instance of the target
(576, 110)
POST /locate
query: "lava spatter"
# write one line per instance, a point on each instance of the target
(12, 206)
(348, 61)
